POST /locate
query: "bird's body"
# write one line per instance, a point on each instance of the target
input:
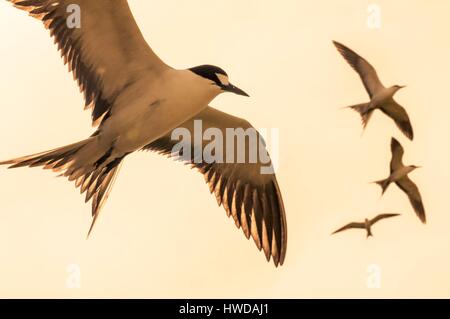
(148, 117)
(399, 175)
(368, 227)
(156, 112)
(367, 224)
(137, 101)
(381, 97)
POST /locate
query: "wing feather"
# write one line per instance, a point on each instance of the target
(397, 155)
(106, 54)
(350, 226)
(411, 189)
(396, 112)
(366, 71)
(251, 198)
(382, 216)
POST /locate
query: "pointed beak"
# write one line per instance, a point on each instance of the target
(234, 89)
(402, 86)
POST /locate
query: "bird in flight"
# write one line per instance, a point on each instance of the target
(137, 101)
(367, 224)
(399, 175)
(381, 98)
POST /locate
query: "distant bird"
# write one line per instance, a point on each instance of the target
(381, 98)
(399, 175)
(137, 101)
(367, 224)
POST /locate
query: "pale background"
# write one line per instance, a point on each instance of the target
(161, 233)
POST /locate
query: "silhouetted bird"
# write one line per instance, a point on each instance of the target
(399, 175)
(367, 224)
(381, 98)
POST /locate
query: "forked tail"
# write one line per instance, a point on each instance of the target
(83, 162)
(384, 184)
(363, 110)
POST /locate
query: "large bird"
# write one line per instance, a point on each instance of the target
(137, 101)
(381, 98)
(399, 175)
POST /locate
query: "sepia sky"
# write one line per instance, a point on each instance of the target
(161, 234)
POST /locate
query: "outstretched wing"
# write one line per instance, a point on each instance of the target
(382, 216)
(101, 43)
(413, 193)
(350, 226)
(396, 112)
(366, 71)
(397, 155)
(247, 189)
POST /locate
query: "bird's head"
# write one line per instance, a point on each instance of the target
(217, 77)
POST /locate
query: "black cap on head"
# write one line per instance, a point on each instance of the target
(212, 73)
(209, 72)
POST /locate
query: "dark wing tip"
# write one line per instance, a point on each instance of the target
(413, 193)
(418, 207)
(407, 129)
(352, 58)
(343, 50)
(255, 208)
(336, 231)
(383, 216)
(342, 229)
(339, 45)
(283, 225)
(421, 214)
(400, 116)
(405, 126)
(346, 52)
(395, 145)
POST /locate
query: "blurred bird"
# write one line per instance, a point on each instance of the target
(367, 224)
(399, 175)
(381, 98)
(137, 101)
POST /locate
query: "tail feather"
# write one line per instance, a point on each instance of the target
(384, 184)
(51, 159)
(363, 110)
(102, 194)
(70, 161)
